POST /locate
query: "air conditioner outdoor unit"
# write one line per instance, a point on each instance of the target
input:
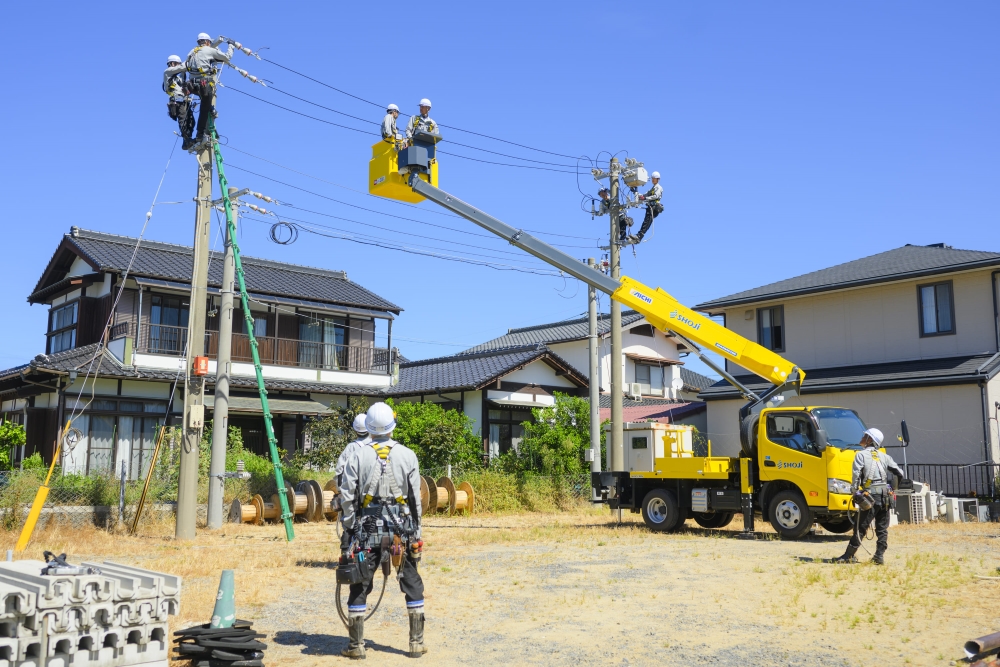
(635, 391)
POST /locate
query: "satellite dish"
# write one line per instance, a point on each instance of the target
(677, 383)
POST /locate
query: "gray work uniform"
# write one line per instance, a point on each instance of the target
(363, 464)
(201, 61)
(175, 82)
(653, 209)
(422, 123)
(871, 471)
(389, 131)
(179, 104)
(351, 447)
(605, 209)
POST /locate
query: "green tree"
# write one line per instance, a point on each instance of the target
(329, 435)
(11, 436)
(554, 444)
(438, 437)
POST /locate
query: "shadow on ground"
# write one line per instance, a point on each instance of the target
(320, 644)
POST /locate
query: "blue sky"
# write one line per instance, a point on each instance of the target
(790, 136)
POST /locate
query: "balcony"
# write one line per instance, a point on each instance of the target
(171, 340)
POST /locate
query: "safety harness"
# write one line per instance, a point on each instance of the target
(384, 512)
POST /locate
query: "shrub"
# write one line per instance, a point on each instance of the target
(329, 435)
(555, 443)
(11, 436)
(438, 437)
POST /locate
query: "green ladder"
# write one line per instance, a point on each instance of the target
(279, 478)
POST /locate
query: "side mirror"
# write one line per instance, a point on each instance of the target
(906, 433)
(822, 441)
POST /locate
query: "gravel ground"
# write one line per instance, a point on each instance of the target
(571, 589)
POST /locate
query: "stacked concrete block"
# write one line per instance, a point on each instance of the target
(117, 618)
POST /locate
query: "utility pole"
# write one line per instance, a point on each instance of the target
(194, 385)
(595, 380)
(220, 413)
(616, 447)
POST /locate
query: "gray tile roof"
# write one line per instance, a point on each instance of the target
(605, 402)
(917, 373)
(554, 332)
(110, 252)
(696, 380)
(910, 261)
(467, 372)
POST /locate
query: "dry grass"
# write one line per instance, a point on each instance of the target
(534, 588)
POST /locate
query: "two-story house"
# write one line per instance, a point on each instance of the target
(316, 331)
(908, 334)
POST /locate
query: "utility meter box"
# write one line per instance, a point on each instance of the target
(645, 442)
(635, 177)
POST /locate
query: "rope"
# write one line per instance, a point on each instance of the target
(340, 609)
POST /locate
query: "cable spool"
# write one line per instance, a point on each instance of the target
(444, 496)
(242, 512)
(265, 510)
(329, 491)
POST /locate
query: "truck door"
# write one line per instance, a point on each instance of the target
(788, 451)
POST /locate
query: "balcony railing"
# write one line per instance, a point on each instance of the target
(164, 339)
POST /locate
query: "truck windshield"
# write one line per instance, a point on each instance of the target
(843, 428)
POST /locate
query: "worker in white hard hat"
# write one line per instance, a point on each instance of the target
(654, 206)
(202, 75)
(870, 486)
(381, 502)
(178, 102)
(389, 131)
(605, 209)
(422, 121)
(362, 439)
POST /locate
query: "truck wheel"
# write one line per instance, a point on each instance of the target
(659, 510)
(841, 526)
(790, 515)
(748, 434)
(714, 520)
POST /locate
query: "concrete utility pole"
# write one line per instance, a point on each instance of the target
(595, 379)
(616, 448)
(194, 386)
(220, 412)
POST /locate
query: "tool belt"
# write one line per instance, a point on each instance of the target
(384, 520)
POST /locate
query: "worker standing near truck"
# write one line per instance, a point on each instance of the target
(870, 486)
(654, 206)
(381, 505)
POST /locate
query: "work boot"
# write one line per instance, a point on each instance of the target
(878, 558)
(417, 647)
(848, 556)
(356, 632)
(187, 144)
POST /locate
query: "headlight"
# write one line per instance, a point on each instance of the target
(838, 486)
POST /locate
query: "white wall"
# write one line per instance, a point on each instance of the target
(993, 413)
(79, 268)
(945, 423)
(474, 410)
(876, 324)
(539, 372)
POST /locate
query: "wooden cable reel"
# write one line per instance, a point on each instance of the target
(443, 496)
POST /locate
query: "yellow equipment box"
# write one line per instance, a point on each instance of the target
(385, 180)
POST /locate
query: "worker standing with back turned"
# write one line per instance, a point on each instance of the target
(202, 76)
(421, 122)
(389, 132)
(363, 439)
(381, 506)
(179, 104)
(653, 206)
(871, 475)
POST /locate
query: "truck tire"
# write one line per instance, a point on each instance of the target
(748, 435)
(789, 514)
(840, 527)
(660, 511)
(713, 520)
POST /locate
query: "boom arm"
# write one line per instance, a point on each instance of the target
(659, 308)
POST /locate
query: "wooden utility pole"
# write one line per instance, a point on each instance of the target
(595, 377)
(616, 447)
(194, 386)
(220, 409)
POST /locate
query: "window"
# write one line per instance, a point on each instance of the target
(651, 379)
(323, 342)
(771, 328)
(62, 327)
(168, 320)
(843, 427)
(506, 431)
(937, 309)
(259, 327)
(792, 431)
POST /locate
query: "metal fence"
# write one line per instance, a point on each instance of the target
(981, 479)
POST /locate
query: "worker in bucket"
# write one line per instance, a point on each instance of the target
(421, 122)
(605, 209)
(178, 104)
(872, 496)
(389, 131)
(381, 506)
(202, 77)
(653, 207)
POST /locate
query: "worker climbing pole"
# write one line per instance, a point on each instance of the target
(272, 441)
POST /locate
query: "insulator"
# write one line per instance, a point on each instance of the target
(264, 197)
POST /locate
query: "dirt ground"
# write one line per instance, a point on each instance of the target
(579, 589)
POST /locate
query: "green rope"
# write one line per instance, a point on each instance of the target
(279, 478)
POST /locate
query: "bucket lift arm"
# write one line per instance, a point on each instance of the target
(659, 308)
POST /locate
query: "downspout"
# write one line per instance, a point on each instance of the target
(996, 309)
(983, 386)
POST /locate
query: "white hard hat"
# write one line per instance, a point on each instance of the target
(174, 59)
(424, 102)
(875, 435)
(655, 174)
(359, 423)
(381, 420)
(204, 35)
(392, 107)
